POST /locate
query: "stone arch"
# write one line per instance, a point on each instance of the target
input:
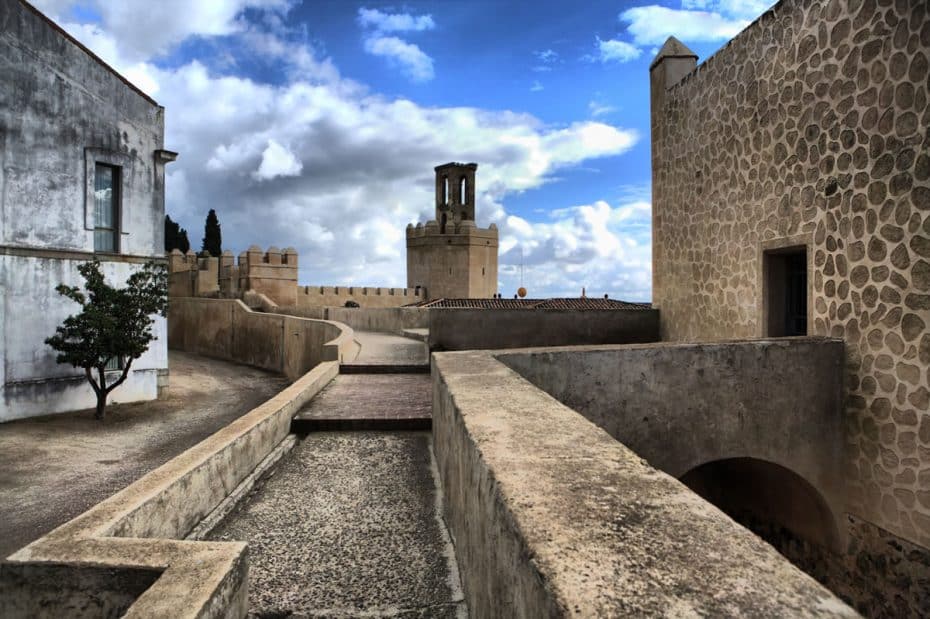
(773, 501)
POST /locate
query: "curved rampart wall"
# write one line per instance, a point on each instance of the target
(227, 329)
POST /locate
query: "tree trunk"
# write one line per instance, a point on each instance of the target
(101, 405)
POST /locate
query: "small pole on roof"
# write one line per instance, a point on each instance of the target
(583, 295)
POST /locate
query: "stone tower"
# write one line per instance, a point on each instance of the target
(450, 256)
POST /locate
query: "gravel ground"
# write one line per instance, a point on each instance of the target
(52, 468)
(348, 526)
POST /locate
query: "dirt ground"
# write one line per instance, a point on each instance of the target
(52, 468)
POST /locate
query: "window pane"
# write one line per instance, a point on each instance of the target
(114, 364)
(106, 202)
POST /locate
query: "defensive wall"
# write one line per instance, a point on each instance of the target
(272, 273)
(551, 516)
(227, 329)
(469, 329)
(808, 134)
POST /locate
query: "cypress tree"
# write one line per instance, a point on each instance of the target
(175, 236)
(212, 237)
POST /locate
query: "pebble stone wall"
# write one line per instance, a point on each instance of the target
(813, 127)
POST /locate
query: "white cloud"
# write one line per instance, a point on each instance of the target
(417, 65)
(413, 61)
(614, 50)
(747, 9)
(536, 87)
(602, 248)
(277, 161)
(158, 26)
(597, 108)
(394, 22)
(653, 24)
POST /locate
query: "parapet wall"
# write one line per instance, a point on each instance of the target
(365, 296)
(552, 517)
(472, 329)
(227, 329)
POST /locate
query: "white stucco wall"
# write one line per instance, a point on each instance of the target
(62, 110)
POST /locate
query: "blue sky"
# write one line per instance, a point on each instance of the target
(317, 124)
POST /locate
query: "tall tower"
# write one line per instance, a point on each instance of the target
(450, 256)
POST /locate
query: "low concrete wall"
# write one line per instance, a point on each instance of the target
(684, 405)
(386, 320)
(476, 329)
(227, 329)
(126, 554)
(553, 517)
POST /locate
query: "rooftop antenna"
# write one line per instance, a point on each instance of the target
(521, 266)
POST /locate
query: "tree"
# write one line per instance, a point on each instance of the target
(114, 323)
(212, 238)
(175, 236)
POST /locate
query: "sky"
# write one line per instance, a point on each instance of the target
(316, 124)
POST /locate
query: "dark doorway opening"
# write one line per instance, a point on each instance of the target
(786, 291)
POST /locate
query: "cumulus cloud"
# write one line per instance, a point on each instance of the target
(614, 50)
(145, 33)
(277, 161)
(536, 87)
(653, 24)
(394, 22)
(320, 163)
(416, 65)
(413, 61)
(603, 248)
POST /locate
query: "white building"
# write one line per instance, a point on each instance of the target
(81, 176)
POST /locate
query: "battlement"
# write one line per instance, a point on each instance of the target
(272, 273)
(365, 296)
(466, 228)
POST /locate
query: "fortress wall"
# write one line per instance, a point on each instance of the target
(467, 329)
(227, 329)
(552, 517)
(386, 320)
(365, 296)
(811, 129)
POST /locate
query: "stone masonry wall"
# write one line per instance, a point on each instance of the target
(812, 127)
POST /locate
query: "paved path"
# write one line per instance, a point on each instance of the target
(386, 349)
(53, 468)
(369, 402)
(348, 526)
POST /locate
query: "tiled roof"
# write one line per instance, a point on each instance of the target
(580, 303)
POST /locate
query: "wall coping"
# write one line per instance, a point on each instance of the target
(552, 516)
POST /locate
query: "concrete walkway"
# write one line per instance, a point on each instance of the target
(387, 349)
(369, 402)
(53, 468)
(349, 526)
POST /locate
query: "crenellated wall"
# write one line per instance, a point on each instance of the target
(365, 296)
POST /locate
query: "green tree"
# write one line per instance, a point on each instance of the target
(175, 236)
(114, 324)
(212, 237)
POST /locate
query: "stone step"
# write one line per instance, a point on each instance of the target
(384, 368)
(398, 401)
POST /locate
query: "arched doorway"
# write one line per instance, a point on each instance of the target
(776, 504)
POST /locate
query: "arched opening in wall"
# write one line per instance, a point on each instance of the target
(462, 188)
(445, 189)
(442, 224)
(776, 504)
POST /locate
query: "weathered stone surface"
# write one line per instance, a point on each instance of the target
(705, 255)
